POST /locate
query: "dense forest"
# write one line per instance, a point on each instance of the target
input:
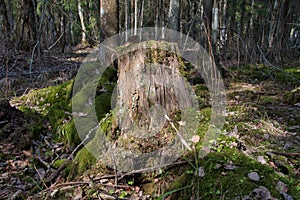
(236, 29)
(60, 103)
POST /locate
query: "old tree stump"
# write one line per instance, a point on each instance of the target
(152, 97)
(154, 113)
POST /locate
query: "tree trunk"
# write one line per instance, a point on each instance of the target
(80, 13)
(25, 27)
(162, 18)
(109, 18)
(274, 14)
(135, 16)
(127, 16)
(282, 33)
(5, 26)
(10, 16)
(207, 19)
(147, 93)
(63, 32)
(118, 16)
(174, 15)
(215, 20)
(207, 12)
(222, 20)
(231, 25)
(242, 17)
(141, 15)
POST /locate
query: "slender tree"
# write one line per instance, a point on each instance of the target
(84, 30)
(5, 26)
(174, 14)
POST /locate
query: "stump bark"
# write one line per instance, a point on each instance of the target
(150, 87)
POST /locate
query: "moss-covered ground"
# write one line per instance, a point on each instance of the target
(262, 121)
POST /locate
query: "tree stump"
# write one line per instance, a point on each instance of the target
(151, 89)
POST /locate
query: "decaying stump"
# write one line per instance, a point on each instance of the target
(150, 89)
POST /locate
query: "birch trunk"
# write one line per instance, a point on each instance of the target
(80, 13)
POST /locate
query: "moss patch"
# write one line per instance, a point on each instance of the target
(83, 161)
(219, 182)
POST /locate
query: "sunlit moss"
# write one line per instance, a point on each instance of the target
(227, 184)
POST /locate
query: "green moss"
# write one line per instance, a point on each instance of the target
(180, 183)
(58, 163)
(67, 132)
(204, 120)
(103, 104)
(81, 163)
(203, 95)
(293, 96)
(108, 126)
(293, 70)
(85, 160)
(41, 100)
(268, 100)
(54, 104)
(259, 73)
(227, 184)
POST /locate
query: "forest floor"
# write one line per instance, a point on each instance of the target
(256, 157)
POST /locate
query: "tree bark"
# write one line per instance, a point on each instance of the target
(5, 26)
(149, 92)
(142, 15)
(80, 13)
(135, 16)
(109, 18)
(127, 16)
(207, 12)
(215, 22)
(274, 14)
(26, 31)
(174, 15)
(282, 33)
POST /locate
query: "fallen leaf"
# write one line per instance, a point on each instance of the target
(26, 153)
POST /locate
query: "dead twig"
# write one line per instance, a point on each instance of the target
(49, 48)
(121, 175)
(43, 162)
(56, 173)
(31, 60)
(83, 141)
(41, 178)
(178, 134)
(3, 122)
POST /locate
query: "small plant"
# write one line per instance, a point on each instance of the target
(130, 182)
(123, 194)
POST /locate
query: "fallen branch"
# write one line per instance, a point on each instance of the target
(40, 176)
(78, 183)
(289, 154)
(49, 48)
(121, 175)
(178, 134)
(83, 141)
